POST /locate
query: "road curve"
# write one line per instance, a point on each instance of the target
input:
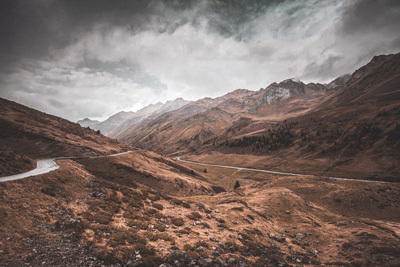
(276, 172)
(47, 165)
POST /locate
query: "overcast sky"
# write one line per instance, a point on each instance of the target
(90, 58)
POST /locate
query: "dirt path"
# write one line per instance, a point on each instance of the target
(276, 172)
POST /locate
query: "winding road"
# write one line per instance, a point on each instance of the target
(48, 165)
(276, 172)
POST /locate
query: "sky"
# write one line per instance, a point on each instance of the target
(94, 58)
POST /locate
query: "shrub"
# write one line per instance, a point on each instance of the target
(177, 201)
(160, 227)
(48, 191)
(193, 255)
(186, 205)
(158, 206)
(187, 247)
(144, 250)
(99, 217)
(152, 211)
(185, 231)
(138, 224)
(154, 197)
(163, 236)
(152, 260)
(177, 221)
(194, 216)
(201, 243)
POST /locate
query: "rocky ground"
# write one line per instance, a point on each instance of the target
(111, 215)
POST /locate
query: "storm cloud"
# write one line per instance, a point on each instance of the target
(79, 59)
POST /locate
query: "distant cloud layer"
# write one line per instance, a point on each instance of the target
(81, 59)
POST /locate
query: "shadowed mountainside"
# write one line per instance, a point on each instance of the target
(27, 134)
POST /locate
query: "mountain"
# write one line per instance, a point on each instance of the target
(354, 131)
(198, 122)
(86, 122)
(121, 121)
(351, 107)
(142, 119)
(27, 134)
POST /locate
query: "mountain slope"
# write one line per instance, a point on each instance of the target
(86, 122)
(27, 134)
(201, 121)
(352, 132)
(122, 121)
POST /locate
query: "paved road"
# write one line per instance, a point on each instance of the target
(47, 165)
(276, 172)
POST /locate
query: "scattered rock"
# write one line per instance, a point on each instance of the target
(231, 261)
(299, 236)
(271, 235)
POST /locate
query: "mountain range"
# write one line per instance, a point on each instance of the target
(122, 121)
(204, 126)
(265, 102)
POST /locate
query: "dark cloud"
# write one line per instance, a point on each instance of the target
(31, 28)
(323, 69)
(371, 15)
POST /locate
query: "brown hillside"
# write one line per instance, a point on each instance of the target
(353, 132)
(201, 122)
(27, 134)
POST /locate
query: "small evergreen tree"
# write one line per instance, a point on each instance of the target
(205, 171)
(237, 185)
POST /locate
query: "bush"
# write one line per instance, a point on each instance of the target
(160, 227)
(203, 244)
(163, 236)
(99, 217)
(154, 197)
(177, 221)
(158, 206)
(144, 250)
(152, 211)
(138, 224)
(194, 216)
(177, 201)
(187, 247)
(193, 255)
